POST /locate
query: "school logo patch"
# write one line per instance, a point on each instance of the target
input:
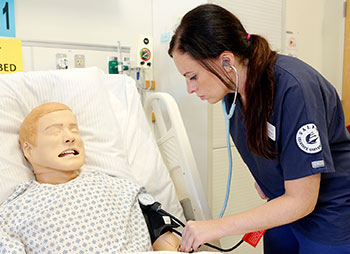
(308, 139)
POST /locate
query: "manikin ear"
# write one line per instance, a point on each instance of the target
(27, 150)
(227, 59)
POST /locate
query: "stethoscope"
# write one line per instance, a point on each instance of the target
(228, 116)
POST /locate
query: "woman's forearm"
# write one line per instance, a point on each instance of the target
(298, 201)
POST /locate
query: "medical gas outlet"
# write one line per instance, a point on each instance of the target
(144, 52)
(145, 55)
(116, 67)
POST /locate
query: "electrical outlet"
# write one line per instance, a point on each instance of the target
(79, 61)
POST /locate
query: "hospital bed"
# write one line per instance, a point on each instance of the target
(149, 147)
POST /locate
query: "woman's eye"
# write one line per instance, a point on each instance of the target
(193, 77)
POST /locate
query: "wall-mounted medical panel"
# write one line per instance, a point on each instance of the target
(41, 55)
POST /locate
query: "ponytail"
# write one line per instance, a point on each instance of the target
(259, 90)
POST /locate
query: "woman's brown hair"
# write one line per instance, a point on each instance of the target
(207, 31)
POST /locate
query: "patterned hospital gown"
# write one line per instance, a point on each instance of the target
(93, 213)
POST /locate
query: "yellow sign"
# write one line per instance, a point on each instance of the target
(10, 55)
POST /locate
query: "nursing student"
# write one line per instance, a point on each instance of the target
(288, 126)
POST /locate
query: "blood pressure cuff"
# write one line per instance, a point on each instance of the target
(157, 223)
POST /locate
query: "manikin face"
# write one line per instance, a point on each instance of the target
(198, 80)
(59, 146)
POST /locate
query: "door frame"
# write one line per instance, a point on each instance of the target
(346, 68)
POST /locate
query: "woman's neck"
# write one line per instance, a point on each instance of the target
(242, 69)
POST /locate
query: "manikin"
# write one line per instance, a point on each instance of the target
(50, 141)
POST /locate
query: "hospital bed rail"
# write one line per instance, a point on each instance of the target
(165, 120)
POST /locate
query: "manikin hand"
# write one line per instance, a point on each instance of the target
(197, 233)
(260, 192)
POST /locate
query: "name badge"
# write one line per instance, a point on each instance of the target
(271, 131)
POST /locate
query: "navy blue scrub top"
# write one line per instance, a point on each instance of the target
(309, 134)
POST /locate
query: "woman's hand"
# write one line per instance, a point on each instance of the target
(197, 233)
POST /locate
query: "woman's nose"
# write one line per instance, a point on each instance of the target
(191, 87)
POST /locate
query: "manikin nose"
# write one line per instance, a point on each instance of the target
(68, 137)
(69, 140)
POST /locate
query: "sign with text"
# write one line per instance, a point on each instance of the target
(7, 18)
(10, 55)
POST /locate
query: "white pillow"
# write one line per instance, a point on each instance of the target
(77, 88)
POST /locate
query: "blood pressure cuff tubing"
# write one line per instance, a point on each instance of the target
(157, 224)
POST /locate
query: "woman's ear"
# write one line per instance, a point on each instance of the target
(227, 59)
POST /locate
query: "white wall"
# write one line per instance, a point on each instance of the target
(83, 21)
(319, 25)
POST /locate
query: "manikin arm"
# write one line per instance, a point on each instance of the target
(167, 241)
(158, 224)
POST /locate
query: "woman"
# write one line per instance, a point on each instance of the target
(288, 127)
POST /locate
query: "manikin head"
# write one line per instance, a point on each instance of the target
(50, 141)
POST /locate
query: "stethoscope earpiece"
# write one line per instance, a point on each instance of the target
(225, 63)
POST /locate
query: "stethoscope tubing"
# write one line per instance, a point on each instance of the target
(228, 116)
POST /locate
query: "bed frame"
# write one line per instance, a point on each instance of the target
(164, 117)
